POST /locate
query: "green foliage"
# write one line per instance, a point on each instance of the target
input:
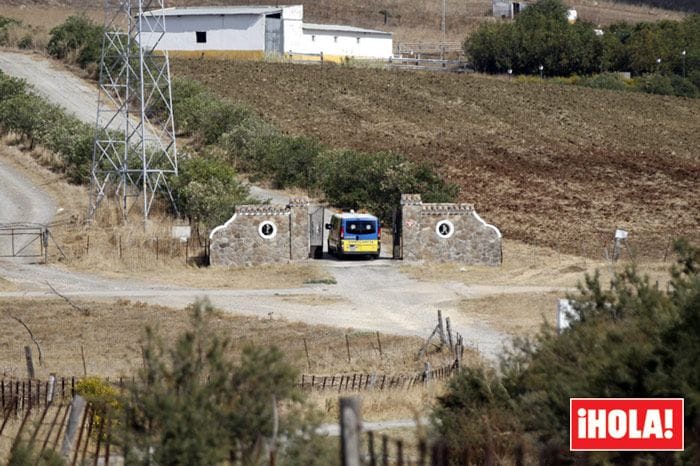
(25, 455)
(77, 37)
(541, 35)
(26, 42)
(194, 405)
(347, 178)
(5, 25)
(38, 122)
(612, 81)
(207, 190)
(375, 182)
(477, 393)
(629, 340)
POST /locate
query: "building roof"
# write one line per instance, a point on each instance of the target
(356, 216)
(341, 28)
(220, 10)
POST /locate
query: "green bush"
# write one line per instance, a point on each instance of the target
(290, 161)
(194, 405)
(5, 24)
(78, 36)
(246, 142)
(612, 81)
(41, 123)
(355, 180)
(207, 190)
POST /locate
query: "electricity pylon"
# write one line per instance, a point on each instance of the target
(134, 151)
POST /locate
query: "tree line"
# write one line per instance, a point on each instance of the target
(662, 57)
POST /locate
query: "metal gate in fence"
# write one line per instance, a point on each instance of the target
(397, 250)
(27, 240)
(317, 227)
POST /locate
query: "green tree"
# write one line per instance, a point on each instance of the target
(208, 191)
(194, 405)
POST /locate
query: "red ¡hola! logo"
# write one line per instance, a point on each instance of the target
(620, 424)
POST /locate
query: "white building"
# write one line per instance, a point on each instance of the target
(254, 31)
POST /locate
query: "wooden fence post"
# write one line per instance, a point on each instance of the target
(347, 345)
(30, 362)
(441, 328)
(370, 448)
(449, 334)
(350, 428)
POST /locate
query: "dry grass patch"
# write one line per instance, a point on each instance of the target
(6, 286)
(515, 314)
(528, 265)
(414, 403)
(111, 337)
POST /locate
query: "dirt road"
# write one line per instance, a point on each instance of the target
(20, 201)
(374, 297)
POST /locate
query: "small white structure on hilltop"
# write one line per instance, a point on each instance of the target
(255, 31)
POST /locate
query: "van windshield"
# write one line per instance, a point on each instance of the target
(360, 227)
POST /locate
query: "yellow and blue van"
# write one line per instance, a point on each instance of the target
(354, 234)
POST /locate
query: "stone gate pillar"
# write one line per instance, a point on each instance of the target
(299, 228)
(411, 207)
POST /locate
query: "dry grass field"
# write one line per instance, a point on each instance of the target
(112, 334)
(552, 165)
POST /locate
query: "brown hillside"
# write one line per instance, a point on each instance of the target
(409, 20)
(549, 164)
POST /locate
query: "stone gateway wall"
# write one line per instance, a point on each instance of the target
(447, 233)
(262, 234)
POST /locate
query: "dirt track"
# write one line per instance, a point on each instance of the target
(377, 297)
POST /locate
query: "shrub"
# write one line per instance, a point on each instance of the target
(77, 35)
(207, 190)
(26, 42)
(290, 161)
(194, 405)
(5, 24)
(611, 81)
(354, 180)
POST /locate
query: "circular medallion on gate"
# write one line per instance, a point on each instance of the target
(267, 230)
(444, 229)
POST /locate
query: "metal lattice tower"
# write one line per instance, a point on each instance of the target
(134, 151)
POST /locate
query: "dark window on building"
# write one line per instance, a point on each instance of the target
(516, 8)
(201, 37)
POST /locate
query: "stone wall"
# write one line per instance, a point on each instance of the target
(447, 233)
(262, 234)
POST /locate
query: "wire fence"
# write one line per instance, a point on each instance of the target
(369, 382)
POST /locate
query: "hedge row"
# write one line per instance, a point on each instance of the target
(38, 122)
(664, 55)
(346, 178)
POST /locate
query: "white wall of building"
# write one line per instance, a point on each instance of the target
(292, 18)
(246, 32)
(342, 43)
(224, 32)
